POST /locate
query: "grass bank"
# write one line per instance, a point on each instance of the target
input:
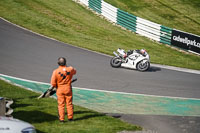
(179, 14)
(43, 114)
(69, 22)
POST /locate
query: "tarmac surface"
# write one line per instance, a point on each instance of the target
(30, 56)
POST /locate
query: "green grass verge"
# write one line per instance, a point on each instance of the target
(43, 114)
(179, 14)
(70, 22)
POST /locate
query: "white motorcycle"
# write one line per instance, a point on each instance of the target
(132, 59)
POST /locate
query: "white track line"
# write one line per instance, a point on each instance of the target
(114, 92)
(156, 65)
(177, 68)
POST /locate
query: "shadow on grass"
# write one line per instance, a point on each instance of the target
(34, 97)
(87, 115)
(20, 105)
(34, 116)
(116, 116)
(82, 112)
(38, 131)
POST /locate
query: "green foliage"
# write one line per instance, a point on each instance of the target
(70, 22)
(43, 114)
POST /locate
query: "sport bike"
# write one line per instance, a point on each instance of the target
(132, 59)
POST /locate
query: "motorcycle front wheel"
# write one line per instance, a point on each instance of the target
(116, 62)
(143, 65)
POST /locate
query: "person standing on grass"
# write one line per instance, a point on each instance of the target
(61, 79)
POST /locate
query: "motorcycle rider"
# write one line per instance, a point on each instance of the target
(141, 51)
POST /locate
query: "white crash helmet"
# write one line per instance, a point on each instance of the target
(143, 51)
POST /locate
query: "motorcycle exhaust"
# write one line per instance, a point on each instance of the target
(115, 54)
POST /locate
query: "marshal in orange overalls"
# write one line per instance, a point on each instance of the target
(61, 79)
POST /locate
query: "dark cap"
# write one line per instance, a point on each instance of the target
(61, 61)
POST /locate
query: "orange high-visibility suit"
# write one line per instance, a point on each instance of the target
(61, 79)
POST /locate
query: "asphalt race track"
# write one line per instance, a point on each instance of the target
(30, 56)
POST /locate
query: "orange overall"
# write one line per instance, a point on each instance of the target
(61, 79)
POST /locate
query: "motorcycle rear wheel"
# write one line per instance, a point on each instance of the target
(115, 62)
(143, 66)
